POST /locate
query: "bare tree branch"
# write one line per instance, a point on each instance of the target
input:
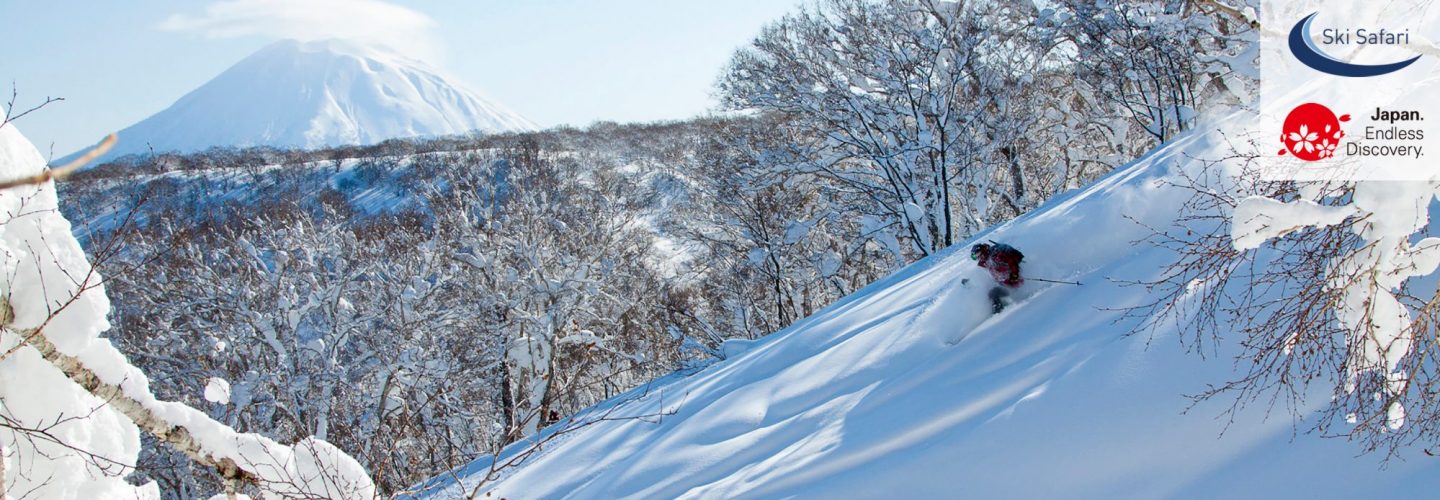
(63, 171)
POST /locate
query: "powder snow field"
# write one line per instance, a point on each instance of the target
(907, 389)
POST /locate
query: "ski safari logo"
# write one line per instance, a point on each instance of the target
(1312, 132)
(1305, 50)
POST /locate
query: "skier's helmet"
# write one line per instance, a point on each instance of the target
(979, 250)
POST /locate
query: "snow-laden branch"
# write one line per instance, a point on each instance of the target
(1366, 280)
(52, 310)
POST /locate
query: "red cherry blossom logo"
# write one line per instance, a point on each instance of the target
(1312, 132)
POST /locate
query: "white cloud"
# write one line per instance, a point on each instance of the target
(368, 21)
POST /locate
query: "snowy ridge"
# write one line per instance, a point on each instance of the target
(317, 94)
(908, 387)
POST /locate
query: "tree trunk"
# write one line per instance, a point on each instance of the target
(1017, 174)
(507, 403)
(177, 437)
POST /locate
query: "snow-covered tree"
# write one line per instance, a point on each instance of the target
(777, 249)
(1330, 286)
(72, 407)
(1161, 61)
(560, 255)
(415, 311)
(934, 119)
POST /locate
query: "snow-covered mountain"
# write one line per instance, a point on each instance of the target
(315, 94)
(911, 389)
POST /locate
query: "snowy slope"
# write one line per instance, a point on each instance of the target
(907, 389)
(314, 94)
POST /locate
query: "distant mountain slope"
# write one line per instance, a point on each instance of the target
(314, 94)
(910, 389)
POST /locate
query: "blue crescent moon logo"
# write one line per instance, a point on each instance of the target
(1305, 50)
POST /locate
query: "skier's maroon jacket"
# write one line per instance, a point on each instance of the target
(1003, 262)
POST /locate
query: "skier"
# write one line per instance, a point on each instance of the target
(1003, 262)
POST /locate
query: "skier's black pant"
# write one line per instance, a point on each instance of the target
(997, 298)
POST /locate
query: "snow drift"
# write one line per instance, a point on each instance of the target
(317, 94)
(910, 388)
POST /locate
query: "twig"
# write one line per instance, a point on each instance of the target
(10, 107)
(64, 171)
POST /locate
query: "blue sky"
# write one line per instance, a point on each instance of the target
(554, 61)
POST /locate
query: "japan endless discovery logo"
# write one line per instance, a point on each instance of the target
(1312, 132)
